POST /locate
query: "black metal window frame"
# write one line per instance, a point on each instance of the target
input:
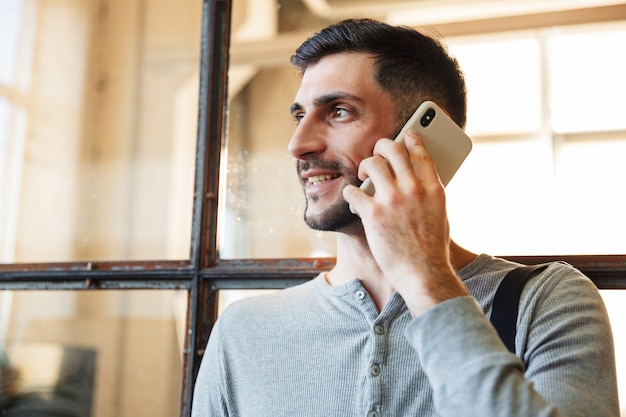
(203, 275)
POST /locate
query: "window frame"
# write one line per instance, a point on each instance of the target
(203, 275)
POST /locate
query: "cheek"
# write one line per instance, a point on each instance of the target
(361, 145)
(358, 154)
(365, 147)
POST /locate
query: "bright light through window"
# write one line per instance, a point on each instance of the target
(10, 12)
(4, 120)
(504, 84)
(587, 80)
(534, 185)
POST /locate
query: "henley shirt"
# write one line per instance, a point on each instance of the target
(322, 350)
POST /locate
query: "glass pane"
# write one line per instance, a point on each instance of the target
(513, 81)
(498, 204)
(91, 353)
(592, 199)
(10, 13)
(262, 201)
(99, 129)
(518, 193)
(589, 88)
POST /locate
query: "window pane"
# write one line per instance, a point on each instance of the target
(592, 195)
(504, 97)
(264, 202)
(10, 15)
(526, 197)
(499, 201)
(12, 133)
(106, 163)
(587, 77)
(92, 353)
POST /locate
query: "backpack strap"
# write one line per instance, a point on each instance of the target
(506, 302)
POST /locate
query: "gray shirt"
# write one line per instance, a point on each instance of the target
(321, 350)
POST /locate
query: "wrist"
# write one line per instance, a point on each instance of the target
(429, 293)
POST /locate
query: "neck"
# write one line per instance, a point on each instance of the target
(354, 260)
(460, 257)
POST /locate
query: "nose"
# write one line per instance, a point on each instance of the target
(307, 139)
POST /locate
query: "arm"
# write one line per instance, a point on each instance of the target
(407, 231)
(566, 344)
(470, 370)
(568, 340)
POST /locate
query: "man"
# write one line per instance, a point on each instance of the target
(399, 326)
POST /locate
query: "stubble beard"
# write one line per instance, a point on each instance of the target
(338, 215)
(335, 218)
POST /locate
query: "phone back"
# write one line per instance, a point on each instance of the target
(445, 141)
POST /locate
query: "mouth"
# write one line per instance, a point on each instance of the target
(318, 179)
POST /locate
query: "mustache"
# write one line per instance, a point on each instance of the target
(309, 164)
(333, 166)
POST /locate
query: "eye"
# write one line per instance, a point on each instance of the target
(340, 112)
(297, 117)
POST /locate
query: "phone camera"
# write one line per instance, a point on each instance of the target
(427, 118)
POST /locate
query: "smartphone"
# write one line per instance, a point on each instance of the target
(445, 141)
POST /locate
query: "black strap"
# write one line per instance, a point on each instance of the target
(506, 302)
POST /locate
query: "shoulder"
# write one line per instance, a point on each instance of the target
(563, 290)
(268, 312)
(563, 281)
(273, 301)
(488, 271)
(563, 306)
(558, 282)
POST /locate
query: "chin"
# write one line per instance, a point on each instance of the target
(333, 219)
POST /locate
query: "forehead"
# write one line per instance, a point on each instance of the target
(351, 73)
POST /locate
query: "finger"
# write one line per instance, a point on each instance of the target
(403, 165)
(355, 198)
(421, 161)
(377, 166)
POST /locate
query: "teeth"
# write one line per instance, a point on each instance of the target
(319, 178)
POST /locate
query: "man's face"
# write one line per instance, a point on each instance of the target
(341, 112)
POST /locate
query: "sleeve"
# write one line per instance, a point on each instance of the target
(569, 362)
(209, 399)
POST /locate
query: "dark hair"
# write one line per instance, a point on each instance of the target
(411, 66)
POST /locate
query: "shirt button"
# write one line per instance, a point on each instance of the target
(372, 414)
(379, 329)
(374, 370)
(360, 294)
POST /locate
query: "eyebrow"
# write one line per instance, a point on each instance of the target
(325, 99)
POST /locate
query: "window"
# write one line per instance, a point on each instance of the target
(109, 246)
(98, 120)
(546, 158)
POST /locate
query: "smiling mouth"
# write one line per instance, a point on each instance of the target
(317, 179)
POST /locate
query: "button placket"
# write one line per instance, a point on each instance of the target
(379, 323)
